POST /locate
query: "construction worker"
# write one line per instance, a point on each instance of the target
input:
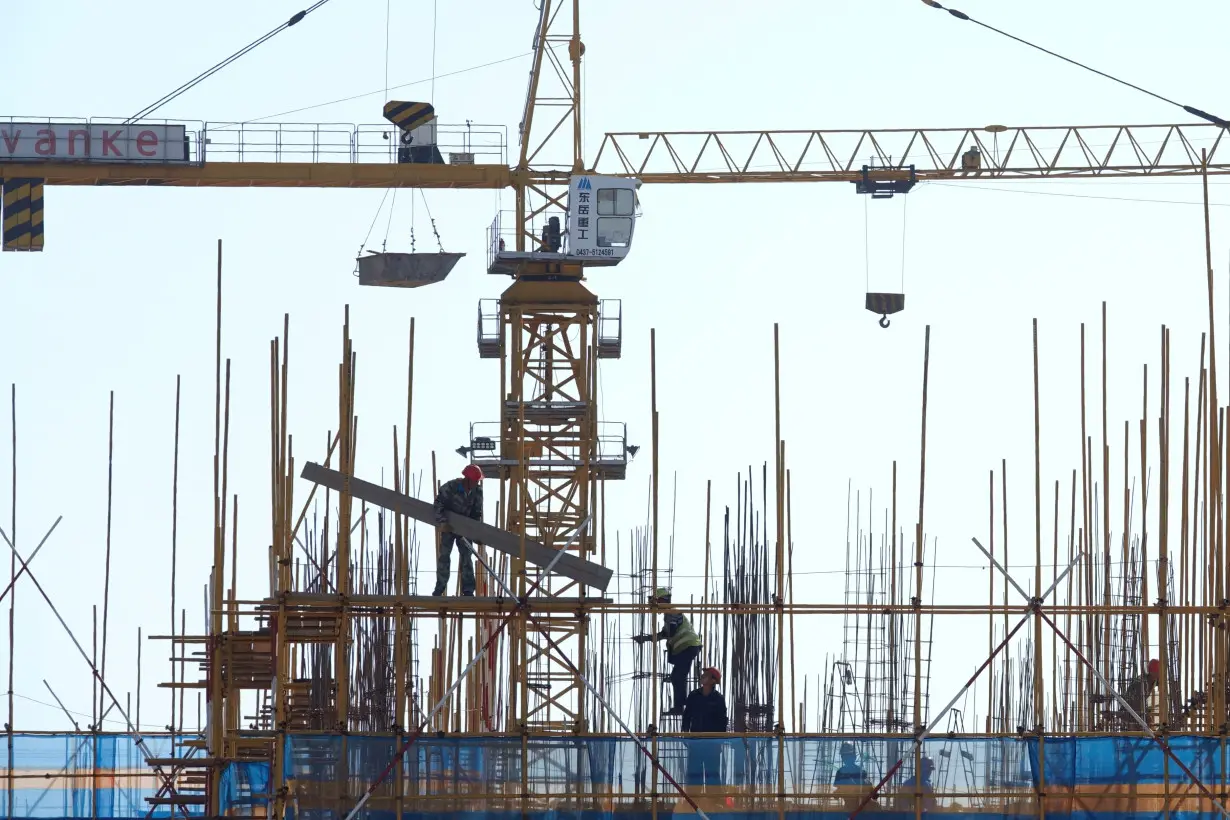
(682, 646)
(913, 783)
(850, 781)
(705, 711)
(705, 708)
(1138, 691)
(971, 160)
(463, 496)
(850, 773)
(1135, 694)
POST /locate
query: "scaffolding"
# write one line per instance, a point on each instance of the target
(346, 693)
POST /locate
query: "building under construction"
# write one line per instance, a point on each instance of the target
(345, 692)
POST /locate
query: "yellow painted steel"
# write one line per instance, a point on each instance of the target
(36, 215)
(948, 154)
(709, 157)
(16, 214)
(551, 357)
(23, 214)
(270, 175)
(408, 115)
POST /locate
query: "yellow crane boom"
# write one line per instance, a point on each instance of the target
(995, 151)
(706, 157)
(272, 157)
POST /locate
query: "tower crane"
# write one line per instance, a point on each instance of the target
(549, 450)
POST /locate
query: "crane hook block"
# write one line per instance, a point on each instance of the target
(885, 304)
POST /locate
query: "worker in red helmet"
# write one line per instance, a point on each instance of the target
(463, 496)
(1138, 692)
(705, 708)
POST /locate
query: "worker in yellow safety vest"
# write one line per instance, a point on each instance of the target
(682, 646)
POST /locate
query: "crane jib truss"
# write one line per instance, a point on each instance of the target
(706, 157)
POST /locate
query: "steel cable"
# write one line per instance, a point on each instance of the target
(209, 72)
(1204, 115)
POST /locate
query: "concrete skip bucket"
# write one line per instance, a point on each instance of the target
(406, 270)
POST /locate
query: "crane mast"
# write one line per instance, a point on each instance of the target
(548, 342)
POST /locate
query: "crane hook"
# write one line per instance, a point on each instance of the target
(884, 323)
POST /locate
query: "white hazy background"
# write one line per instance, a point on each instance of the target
(123, 297)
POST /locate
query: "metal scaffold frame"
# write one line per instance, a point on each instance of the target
(346, 750)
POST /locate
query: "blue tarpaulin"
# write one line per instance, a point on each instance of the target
(105, 776)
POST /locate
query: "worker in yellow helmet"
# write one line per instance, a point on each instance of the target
(682, 646)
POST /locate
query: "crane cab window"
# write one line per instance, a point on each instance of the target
(616, 201)
(615, 209)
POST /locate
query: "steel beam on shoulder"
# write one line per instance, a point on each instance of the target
(589, 573)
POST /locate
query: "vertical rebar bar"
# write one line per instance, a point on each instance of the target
(107, 560)
(174, 553)
(12, 594)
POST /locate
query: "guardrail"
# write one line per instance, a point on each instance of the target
(464, 144)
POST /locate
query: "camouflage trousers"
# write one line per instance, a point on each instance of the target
(444, 565)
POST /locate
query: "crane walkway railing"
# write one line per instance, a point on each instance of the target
(286, 142)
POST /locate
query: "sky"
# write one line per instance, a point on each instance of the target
(122, 299)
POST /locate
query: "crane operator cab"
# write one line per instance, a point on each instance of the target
(602, 212)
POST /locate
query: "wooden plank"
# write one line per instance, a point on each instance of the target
(589, 573)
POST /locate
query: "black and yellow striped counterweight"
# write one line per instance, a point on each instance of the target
(23, 214)
(408, 117)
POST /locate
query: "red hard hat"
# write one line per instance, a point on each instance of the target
(1153, 667)
(472, 472)
(713, 670)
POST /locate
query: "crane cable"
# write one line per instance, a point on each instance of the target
(422, 194)
(388, 10)
(392, 205)
(388, 13)
(1196, 112)
(152, 107)
(867, 240)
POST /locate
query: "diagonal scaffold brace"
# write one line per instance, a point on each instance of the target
(188, 760)
(133, 731)
(572, 667)
(1036, 607)
(1158, 739)
(24, 569)
(1029, 610)
(426, 721)
(523, 605)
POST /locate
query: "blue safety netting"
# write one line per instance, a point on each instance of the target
(1095, 778)
(99, 776)
(567, 778)
(1089, 761)
(244, 788)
